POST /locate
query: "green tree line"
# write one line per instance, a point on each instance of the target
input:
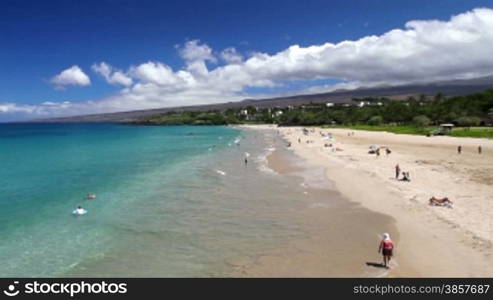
(471, 110)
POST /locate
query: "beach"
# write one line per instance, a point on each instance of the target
(174, 201)
(181, 202)
(329, 245)
(430, 240)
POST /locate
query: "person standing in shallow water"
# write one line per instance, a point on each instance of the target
(386, 247)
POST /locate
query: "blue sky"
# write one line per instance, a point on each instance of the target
(40, 39)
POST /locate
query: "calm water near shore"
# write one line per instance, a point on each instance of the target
(163, 208)
(171, 201)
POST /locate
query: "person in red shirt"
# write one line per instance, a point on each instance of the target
(386, 247)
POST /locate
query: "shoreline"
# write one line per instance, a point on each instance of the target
(433, 243)
(320, 213)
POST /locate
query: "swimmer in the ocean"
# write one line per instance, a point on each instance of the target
(79, 210)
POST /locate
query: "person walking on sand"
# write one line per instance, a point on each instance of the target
(386, 247)
(397, 171)
(480, 150)
(459, 149)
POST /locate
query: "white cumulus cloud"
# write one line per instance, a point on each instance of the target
(231, 56)
(421, 51)
(194, 51)
(112, 75)
(71, 76)
(154, 72)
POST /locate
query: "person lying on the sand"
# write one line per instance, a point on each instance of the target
(441, 202)
(372, 149)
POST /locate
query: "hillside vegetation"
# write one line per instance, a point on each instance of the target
(413, 116)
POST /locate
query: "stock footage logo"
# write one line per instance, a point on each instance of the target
(64, 287)
(11, 290)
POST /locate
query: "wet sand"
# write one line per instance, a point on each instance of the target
(340, 236)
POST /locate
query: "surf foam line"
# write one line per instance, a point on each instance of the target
(263, 163)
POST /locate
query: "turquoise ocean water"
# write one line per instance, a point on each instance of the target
(171, 201)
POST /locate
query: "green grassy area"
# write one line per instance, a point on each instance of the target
(477, 132)
(404, 129)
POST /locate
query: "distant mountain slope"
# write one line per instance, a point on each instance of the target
(448, 88)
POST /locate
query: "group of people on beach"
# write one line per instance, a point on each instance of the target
(387, 151)
(376, 150)
(459, 149)
(386, 245)
(405, 175)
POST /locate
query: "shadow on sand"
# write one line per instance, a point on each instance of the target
(376, 265)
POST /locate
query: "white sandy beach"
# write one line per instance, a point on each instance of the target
(433, 241)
